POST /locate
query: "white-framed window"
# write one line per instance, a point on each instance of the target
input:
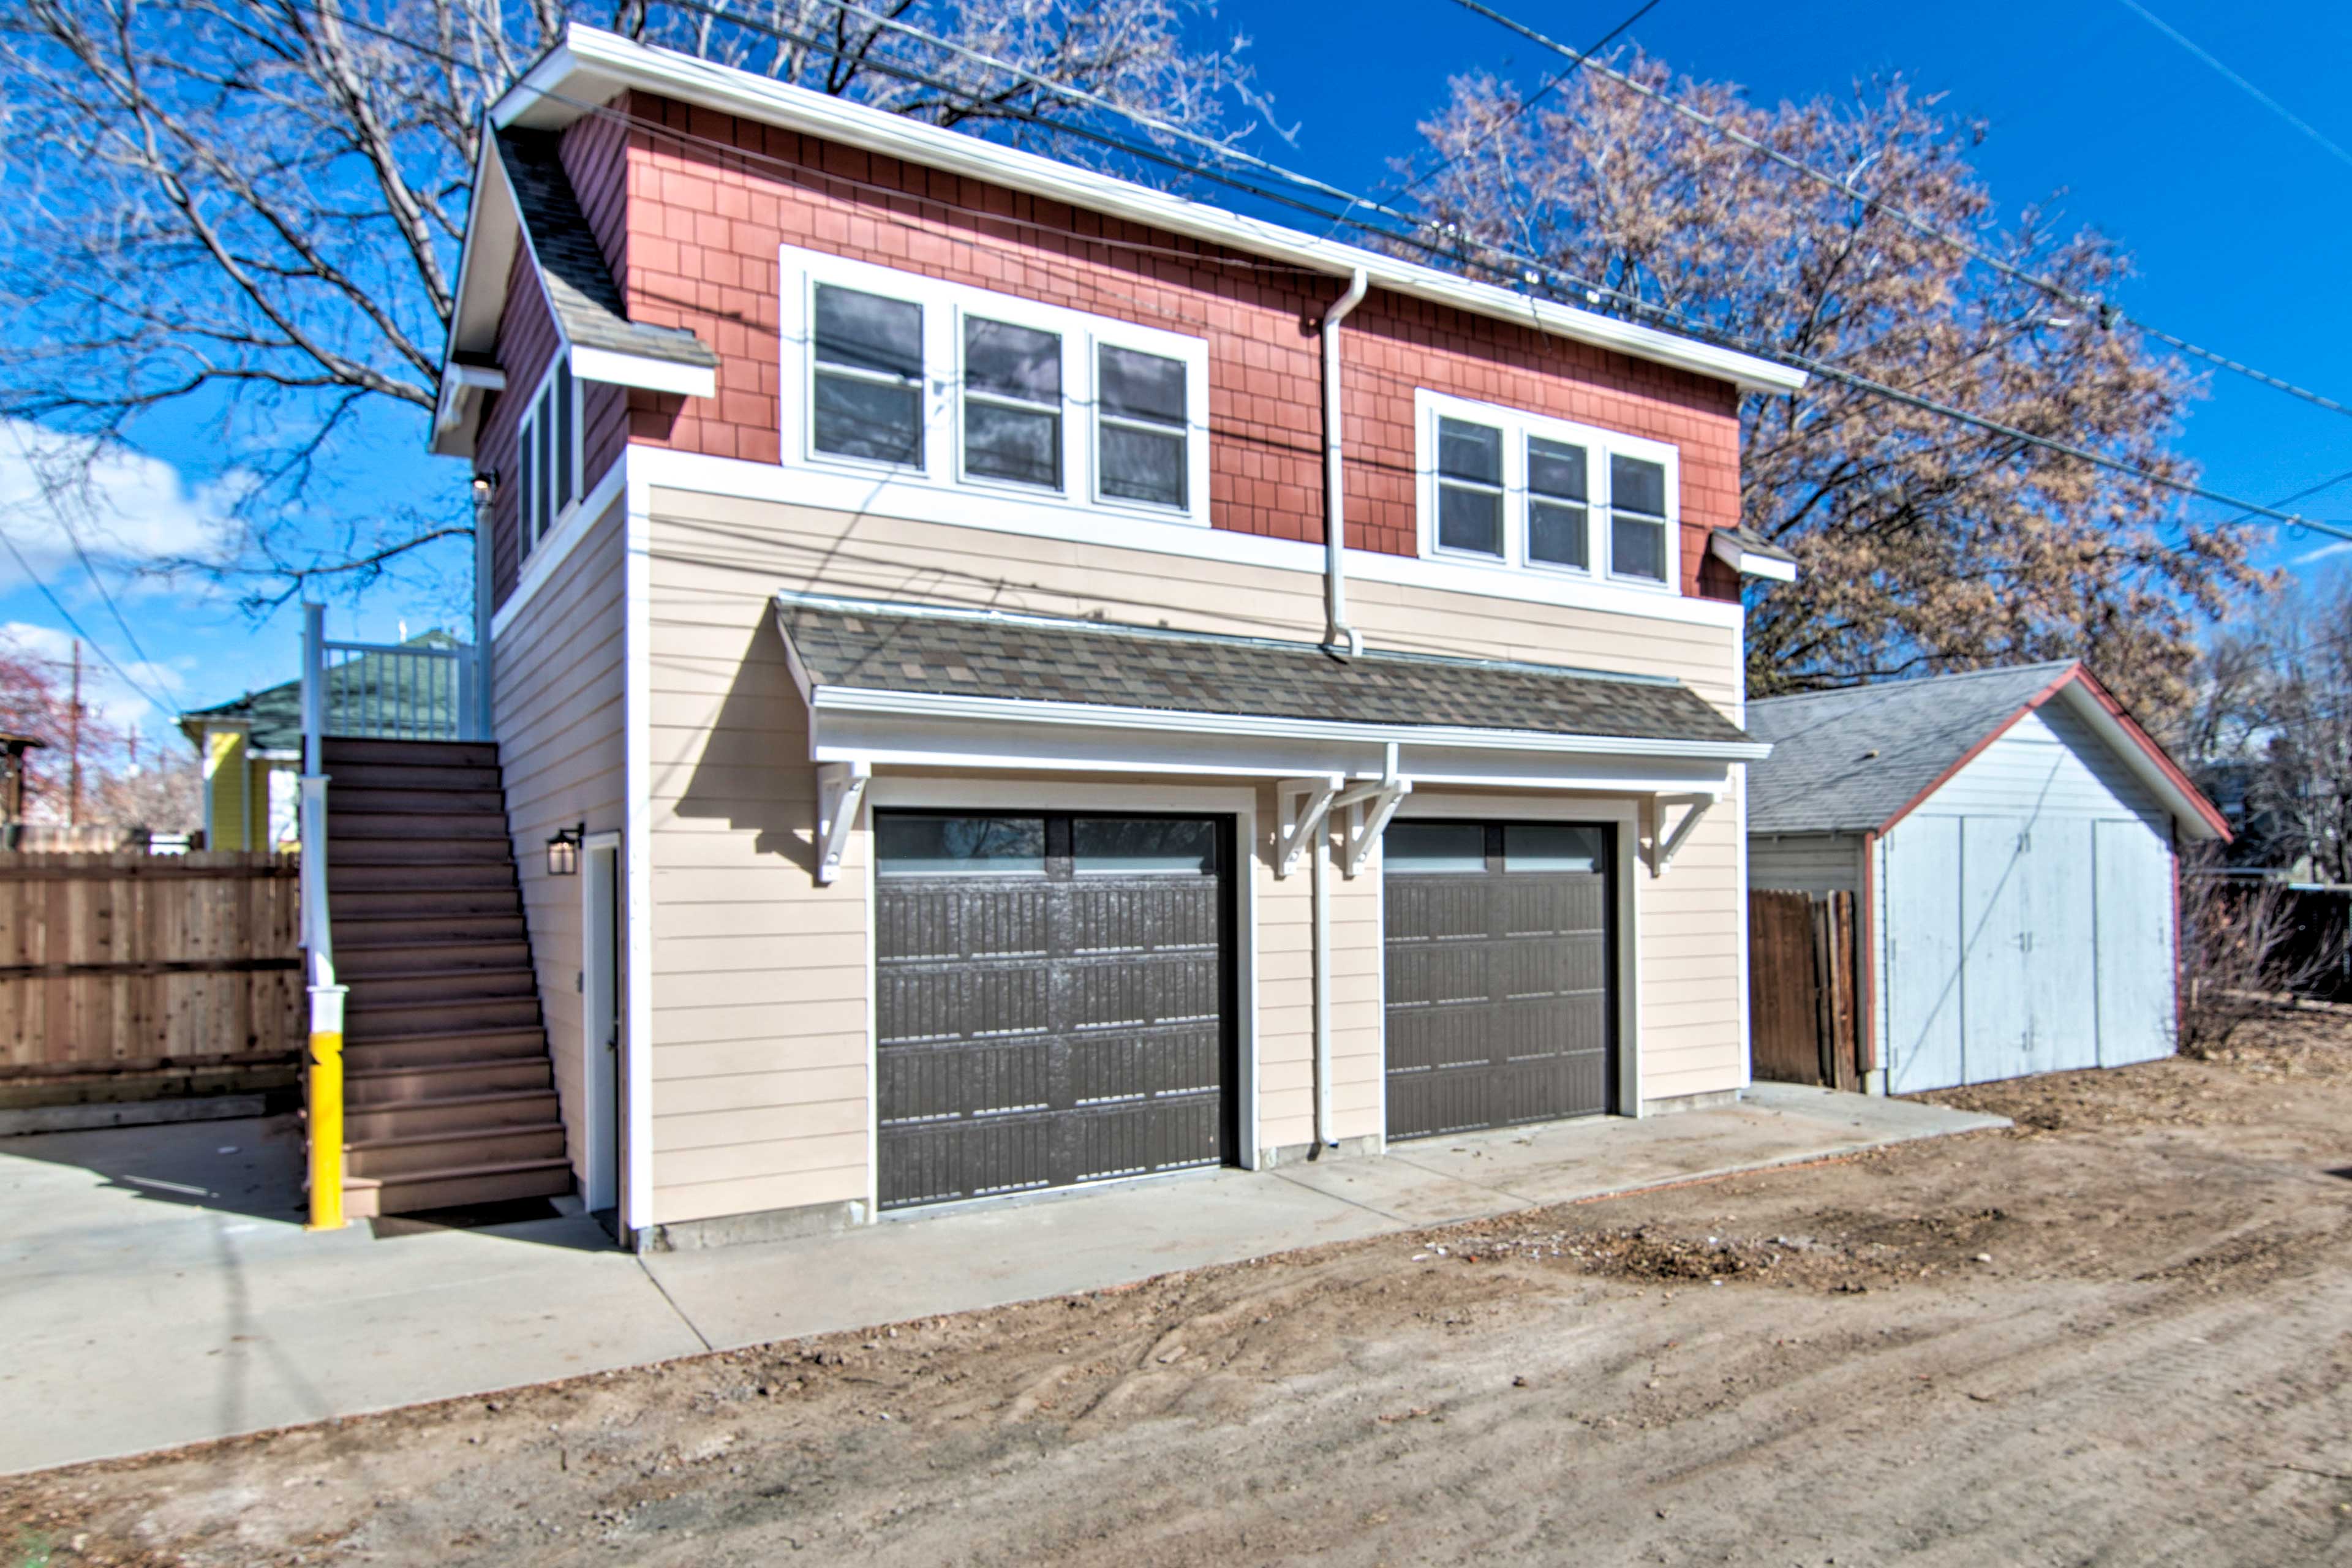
(547, 452)
(1520, 491)
(940, 388)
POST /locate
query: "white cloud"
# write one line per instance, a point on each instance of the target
(109, 695)
(128, 509)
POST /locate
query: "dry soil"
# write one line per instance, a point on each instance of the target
(2121, 1333)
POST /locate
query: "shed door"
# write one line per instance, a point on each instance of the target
(1054, 1000)
(2136, 913)
(1501, 1005)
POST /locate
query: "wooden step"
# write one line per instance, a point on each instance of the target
(347, 826)
(362, 800)
(453, 853)
(452, 985)
(443, 1080)
(418, 873)
(378, 957)
(426, 925)
(465, 1047)
(427, 753)
(366, 1197)
(421, 1153)
(454, 1113)
(407, 775)
(371, 1020)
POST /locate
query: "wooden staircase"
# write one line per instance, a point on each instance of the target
(449, 1094)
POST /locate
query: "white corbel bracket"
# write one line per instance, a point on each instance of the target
(1369, 809)
(1663, 844)
(1305, 805)
(840, 791)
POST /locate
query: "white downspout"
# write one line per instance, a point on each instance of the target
(1318, 852)
(1337, 635)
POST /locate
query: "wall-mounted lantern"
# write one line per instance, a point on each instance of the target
(564, 851)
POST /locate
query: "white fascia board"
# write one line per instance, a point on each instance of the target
(485, 261)
(1749, 563)
(2125, 745)
(1094, 716)
(617, 369)
(590, 65)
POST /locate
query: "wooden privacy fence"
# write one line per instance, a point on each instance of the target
(1804, 1009)
(134, 963)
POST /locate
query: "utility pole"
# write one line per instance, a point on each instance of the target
(73, 724)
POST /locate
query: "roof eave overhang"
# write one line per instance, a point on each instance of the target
(884, 727)
(592, 66)
(1727, 548)
(2199, 820)
(494, 233)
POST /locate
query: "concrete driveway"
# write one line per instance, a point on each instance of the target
(156, 1286)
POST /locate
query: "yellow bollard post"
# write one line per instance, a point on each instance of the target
(325, 1097)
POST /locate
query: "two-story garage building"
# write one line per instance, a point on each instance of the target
(908, 580)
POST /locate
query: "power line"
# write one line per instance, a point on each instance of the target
(73, 537)
(2251, 90)
(2106, 311)
(1532, 98)
(1536, 271)
(95, 645)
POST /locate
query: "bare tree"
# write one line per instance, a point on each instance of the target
(1926, 545)
(247, 210)
(2247, 945)
(2270, 729)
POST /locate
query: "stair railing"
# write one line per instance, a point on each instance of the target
(400, 691)
(323, 1077)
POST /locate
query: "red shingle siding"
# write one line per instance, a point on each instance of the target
(525, 347)
(709, 199)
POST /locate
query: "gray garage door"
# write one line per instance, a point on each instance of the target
(1054, 1000)
(1500, 1005)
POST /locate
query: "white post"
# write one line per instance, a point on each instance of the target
(314, 696)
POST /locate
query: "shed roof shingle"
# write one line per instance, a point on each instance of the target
(580, 286)
(859, 646)
(1843, 761)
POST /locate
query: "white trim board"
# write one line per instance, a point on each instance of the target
(592, 66)
(882, 496)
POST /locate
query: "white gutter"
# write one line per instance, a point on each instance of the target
(1338, 634)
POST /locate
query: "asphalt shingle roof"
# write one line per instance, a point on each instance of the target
(1845, 761)
(580, 285)
(897, 647)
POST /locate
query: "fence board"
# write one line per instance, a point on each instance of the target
(1804, 1001)
(127, 961)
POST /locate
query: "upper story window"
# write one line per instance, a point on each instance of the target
(949, 388)
(1526, 491)
(547, 453)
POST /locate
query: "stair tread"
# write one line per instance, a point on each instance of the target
(471, 970)
(451, 1172)
(412, 1036)
(472, 1064)
(372, 943)
(454, 1135)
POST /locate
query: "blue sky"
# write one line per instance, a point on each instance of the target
(2236, 217)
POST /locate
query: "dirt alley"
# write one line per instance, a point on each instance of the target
(2120, 1333)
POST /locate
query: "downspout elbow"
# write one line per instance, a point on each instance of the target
(1338, 634)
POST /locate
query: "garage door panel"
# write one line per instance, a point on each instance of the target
(1042, 1025)
(2061, 927)
(1499, 1007)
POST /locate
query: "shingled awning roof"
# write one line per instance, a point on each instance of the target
(842, 648)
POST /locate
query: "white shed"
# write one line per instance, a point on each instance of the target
(2013, 836)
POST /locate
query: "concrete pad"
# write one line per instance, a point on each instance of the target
(159, 1291)
(993, 1254)
(156, 1286)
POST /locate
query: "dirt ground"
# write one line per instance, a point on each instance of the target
(2121, 1333)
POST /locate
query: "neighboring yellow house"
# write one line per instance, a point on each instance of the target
(243, 744)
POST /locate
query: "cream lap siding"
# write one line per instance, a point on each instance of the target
(1805, 862)
(761, 984)
(559, 692)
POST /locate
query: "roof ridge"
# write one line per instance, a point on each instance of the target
(1908, 682)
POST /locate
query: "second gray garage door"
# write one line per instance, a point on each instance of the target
(1499, 962)
(1054, 1000)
